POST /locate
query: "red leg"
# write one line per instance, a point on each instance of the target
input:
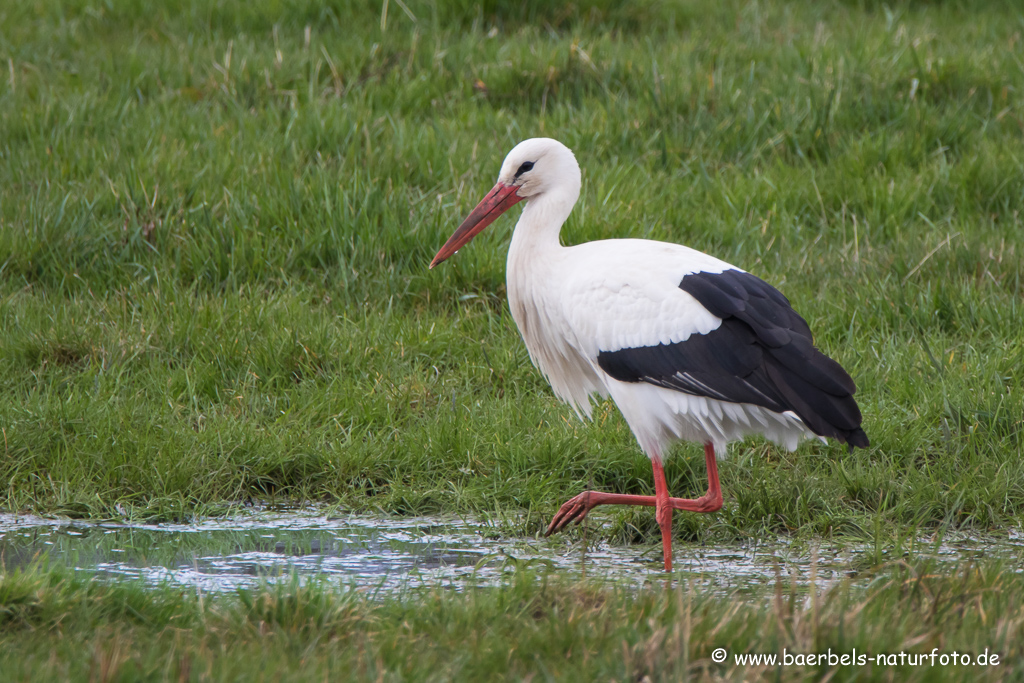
(710, 501)
(663, 512)
(577, 507)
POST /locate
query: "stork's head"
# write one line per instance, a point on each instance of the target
(537, 165)
(533, 168)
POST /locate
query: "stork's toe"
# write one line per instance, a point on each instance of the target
(573, 510)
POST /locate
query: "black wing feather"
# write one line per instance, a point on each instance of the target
(762, 353)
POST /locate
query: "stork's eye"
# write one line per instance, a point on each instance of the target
(527, 165)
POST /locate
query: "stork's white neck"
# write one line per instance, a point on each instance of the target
(537, 233)
(537, 264)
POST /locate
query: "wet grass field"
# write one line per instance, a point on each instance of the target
(58, 626)
(215, 224)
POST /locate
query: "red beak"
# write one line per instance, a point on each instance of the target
(499, 200)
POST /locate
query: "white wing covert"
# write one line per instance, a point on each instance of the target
(620, 298)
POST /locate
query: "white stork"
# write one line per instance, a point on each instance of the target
(689, 347)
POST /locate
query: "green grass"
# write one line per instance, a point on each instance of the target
(215, 220)
(58, 626)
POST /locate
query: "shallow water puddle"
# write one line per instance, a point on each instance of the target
(389, 554)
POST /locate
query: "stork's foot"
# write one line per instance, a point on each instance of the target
(573, 510)
(577, 508)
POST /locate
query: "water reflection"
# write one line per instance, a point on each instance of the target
(222, 554)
